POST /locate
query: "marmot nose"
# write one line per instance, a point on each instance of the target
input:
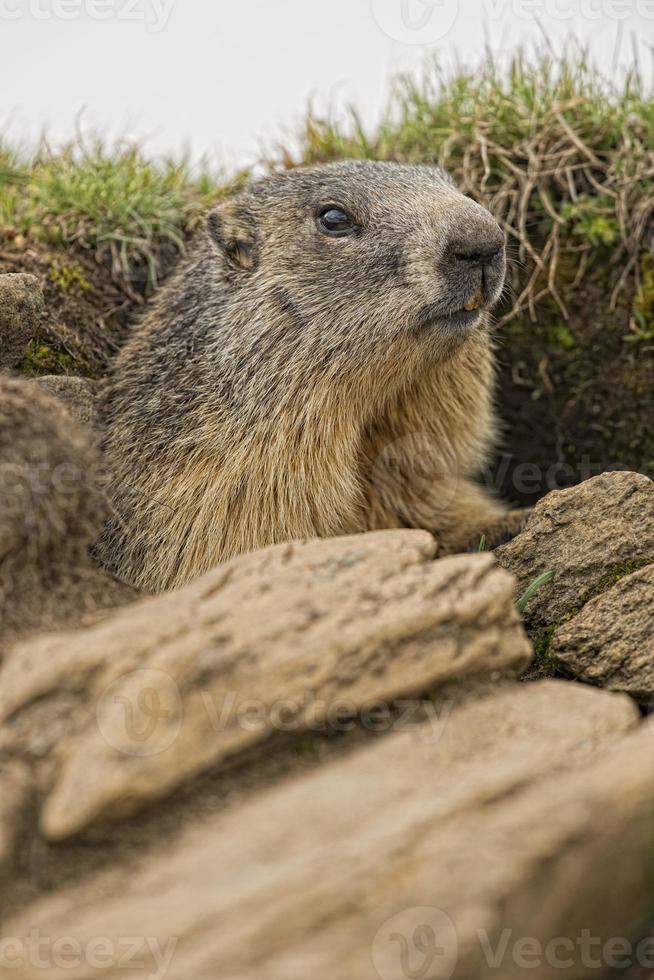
(475, 254)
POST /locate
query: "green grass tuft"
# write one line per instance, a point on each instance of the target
(532, 589)
(113, 202)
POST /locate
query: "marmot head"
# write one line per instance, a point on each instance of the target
(354, 256)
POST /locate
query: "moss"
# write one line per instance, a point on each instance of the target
(593, 219)
(69, 278)
(42, 359)
(617, 573)
(517, 327)
(643, 305)
(307, 745)
(561, 336)
(543, 665)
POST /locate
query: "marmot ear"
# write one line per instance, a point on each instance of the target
(232, 230)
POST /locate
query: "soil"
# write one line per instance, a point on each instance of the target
(576, 398)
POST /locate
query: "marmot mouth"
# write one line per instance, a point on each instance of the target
(455, 319)
(461, 318)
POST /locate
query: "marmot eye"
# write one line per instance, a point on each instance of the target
(335, 222)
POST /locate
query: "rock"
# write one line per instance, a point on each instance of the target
(587, 535)
(16, 790)
(51, 509)
(611, 641)
(77, 394)
(529, 811)
(21, 311)
(510, 524)
(87, 313)
(283, 640)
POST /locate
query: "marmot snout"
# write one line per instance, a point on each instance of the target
(320, 365)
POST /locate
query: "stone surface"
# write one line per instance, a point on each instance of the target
(529, 810)
(15, 791)
(611, 641)
(77, 394)
(21, 312)
(587, 535)
(282, 640)
(51, 509)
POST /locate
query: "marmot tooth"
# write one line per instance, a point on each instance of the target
(475, 301)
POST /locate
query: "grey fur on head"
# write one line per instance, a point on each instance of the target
(258, 400)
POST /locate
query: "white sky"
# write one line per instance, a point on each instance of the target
(224, 77)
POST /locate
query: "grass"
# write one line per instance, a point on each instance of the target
(532, 589)
(125, 209)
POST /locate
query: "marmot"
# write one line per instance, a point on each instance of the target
(319, 365)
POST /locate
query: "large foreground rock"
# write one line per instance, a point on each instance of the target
(611, 641)
(51, 509)
(588, 535)
(529, 811)
(286, 640)
(21, 312)
(77, 394)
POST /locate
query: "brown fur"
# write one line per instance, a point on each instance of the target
(286, 384)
